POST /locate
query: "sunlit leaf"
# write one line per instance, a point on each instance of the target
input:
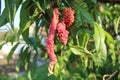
(76, 51)
(79, 50)
(84, 38)
(92, 76)
(116, 24)
(99, 37)
(100, 46)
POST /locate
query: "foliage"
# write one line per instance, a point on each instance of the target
(92, 52)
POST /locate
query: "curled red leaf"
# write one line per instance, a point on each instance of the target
(50, 40)
(62, 32)
(68, 16)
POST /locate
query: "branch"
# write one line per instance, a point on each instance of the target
(109, 76)
(112, 75)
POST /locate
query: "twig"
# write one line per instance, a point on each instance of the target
(112, 75)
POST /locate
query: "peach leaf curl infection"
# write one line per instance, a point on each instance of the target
(61, 28)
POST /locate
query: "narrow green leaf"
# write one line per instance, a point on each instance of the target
(116, 24)
(75, 51)
(26, 26)
(92, 76)
(99, 37)
(25, 36)
(11, 52)
(82, 16)
(25, 21)
(1, 44)
(86, 17)
(79, 50)
(24, 14)
(3, 17)
(16, 4)
(94, 1)
(78, 19)
(59, 2)
(84, 38)
(39, 6)
(23, 54)
(110, 42)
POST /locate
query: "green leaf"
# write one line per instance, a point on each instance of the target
(82, 16)
(24, 14)
(116, 24)
(75, 51)
(86, 17)
(11, 52)
(24, 54)
(92, 76)
(25, 27)
(59, 2)
(3, 17)
(39, 6)
(78, 20)
(99, 38)
(110, 42)
(79, 50)
(1, 44)
(12, 6)
(84, 38)
(16, 4)
(94, 1)
(25, 20)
